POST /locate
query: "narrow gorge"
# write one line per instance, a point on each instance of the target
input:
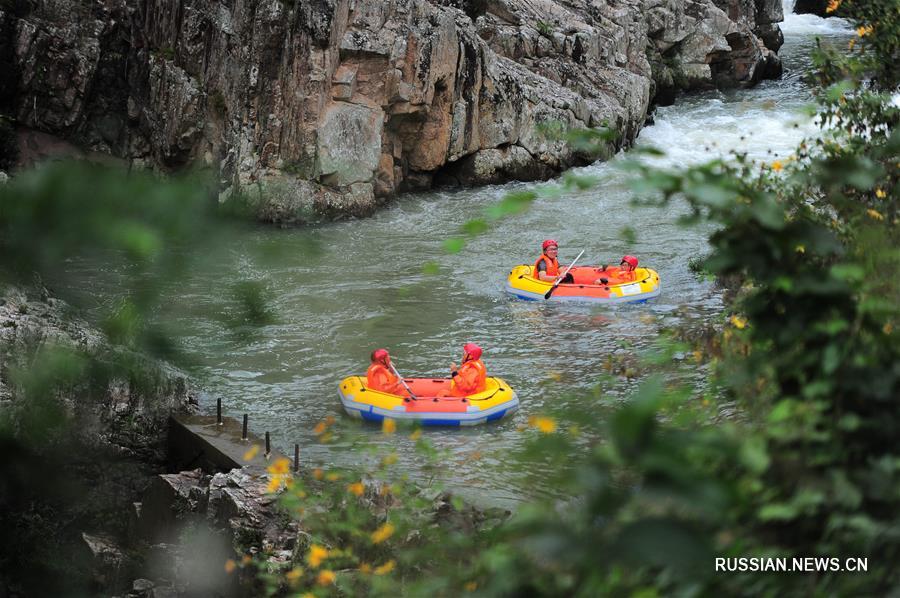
(324, 108)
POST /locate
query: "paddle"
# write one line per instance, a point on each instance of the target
(558, 280)
(403, 382)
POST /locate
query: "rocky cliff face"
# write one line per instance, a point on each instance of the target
(322, 107)
(124, 417)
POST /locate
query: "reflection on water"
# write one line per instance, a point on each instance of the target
(343, 289)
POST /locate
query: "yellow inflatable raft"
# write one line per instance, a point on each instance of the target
(588, 285)
(496, 401)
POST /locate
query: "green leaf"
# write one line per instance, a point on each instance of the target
(512, 203)
(712, 195)
(475, 227)
(647, 150)
(838, 90)
(754, 454)
(848, 272)
(454, 244)
(777, 512)
(831, 359)
(782, 411)
(138, 240)
(628, 235)
(768, 213)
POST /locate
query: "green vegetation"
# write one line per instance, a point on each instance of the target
(142, 227)
(545, 28)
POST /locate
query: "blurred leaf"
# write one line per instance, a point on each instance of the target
(628, 235)
(454, 245)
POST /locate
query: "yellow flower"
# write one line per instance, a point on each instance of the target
(471, 586)
(316, 555)
(386, 568)
(851, 43)
(800, 248)
(318, 473)
(738, 322)
(332, 477)
(777, 165)
(274, 484)
(888, 328)
(325, 578)
(864, 31)
(320, 428)
(356, 488)
(880, 193)
(874, 214)
(245, 560)
(365, 568)
(280, 466)
(546, 425)
(416, 435)
(389, 426)
(833, 5)
(382, 533)
(252, 452)
(230, 566)
(294, 574)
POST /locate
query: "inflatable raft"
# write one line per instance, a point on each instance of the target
(495, 402)
(620, 286)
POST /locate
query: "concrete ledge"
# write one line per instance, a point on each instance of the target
(198, 441)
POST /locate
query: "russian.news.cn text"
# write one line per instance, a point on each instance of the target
(793, 565)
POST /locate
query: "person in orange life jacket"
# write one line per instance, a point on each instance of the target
(379, 375)
(627, 268)
(471, 375)
(546, 267)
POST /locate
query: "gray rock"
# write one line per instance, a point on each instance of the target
(142, 587)
(388, 95)
(126, 418)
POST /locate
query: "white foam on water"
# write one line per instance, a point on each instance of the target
(800, 25)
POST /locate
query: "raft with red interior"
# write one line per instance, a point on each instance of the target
(621, 286)
(496, 401)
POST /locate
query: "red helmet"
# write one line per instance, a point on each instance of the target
(380, 355)
(630, 260)
(472, 351)
(549, 243)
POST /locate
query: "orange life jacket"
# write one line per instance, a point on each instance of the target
(379, 377)
(471, 378)
(626, 275)
(552, 266)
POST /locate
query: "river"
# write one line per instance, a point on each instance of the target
(342, 289)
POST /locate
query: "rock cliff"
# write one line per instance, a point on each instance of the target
(321, 107)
